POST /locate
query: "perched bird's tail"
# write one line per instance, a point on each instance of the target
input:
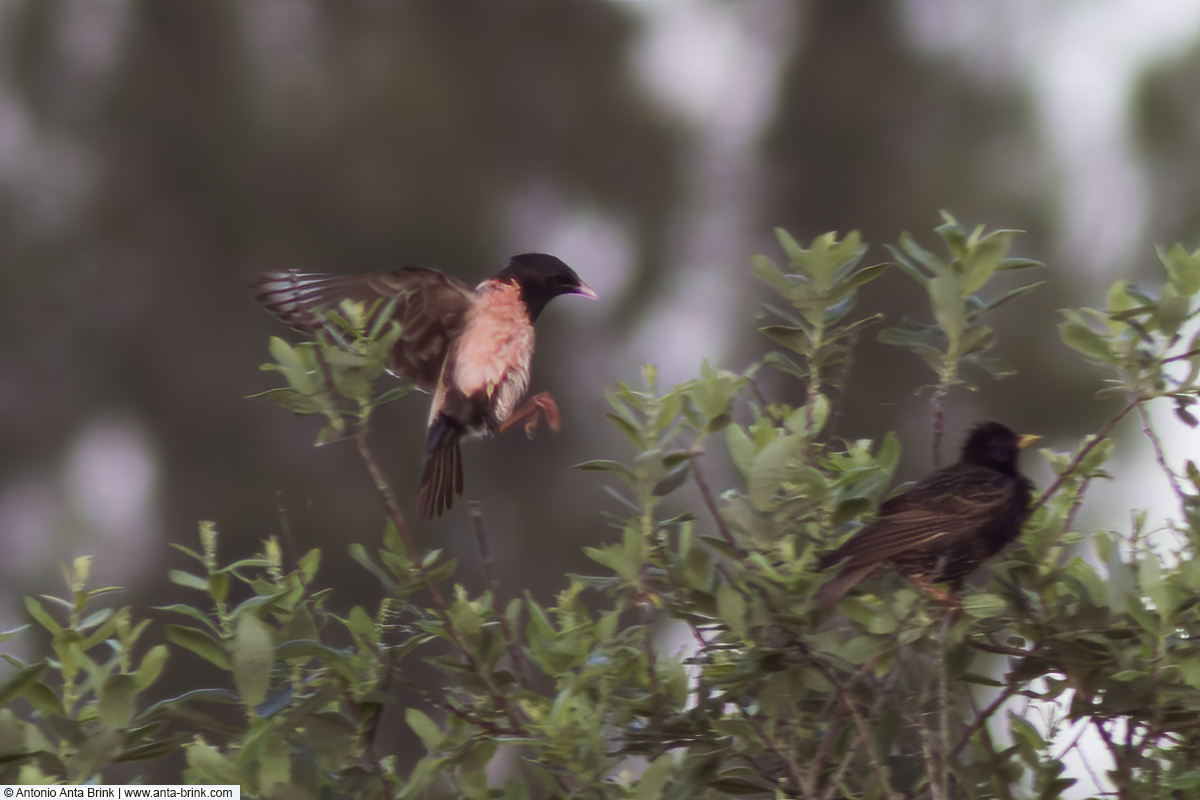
(847, 579)
(441, 474)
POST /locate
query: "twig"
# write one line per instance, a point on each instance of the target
(835, 780)
(990, 746)
(710, 503)
(939, 763)
(864, 733)
(939, 422)
(1160, 457)
(1121, 771)
(1182, 356)
(385, 492)
(285, 526)
(1069, 521)
(789, 764)
(652, 682)
(982, 718)
(371, 730)
(500, 606)
(486, 562)
(1105, 430)
(823, 750)
(837, 409)
(515, 716)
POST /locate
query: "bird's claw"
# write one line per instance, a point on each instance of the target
(544, 403)
(940, 596)
(539, 405)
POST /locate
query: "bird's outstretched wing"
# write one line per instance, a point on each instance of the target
(950, 505)
(429, 305)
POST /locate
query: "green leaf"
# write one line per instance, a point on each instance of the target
(209, 763)
(602, 465)
(116, 700)
(741, 449)
(289, 398)
(654, 779)
(765, 270)
(6, 635)
(982, 605)
(731, 606)
(42, 616)
(1010, 295)
(777, 463)
(252, 654)
(1183, 269)
(151, 666)
(1078, 335)
(792, 337)
(673, 479)
(626, 427)
(189, 580)
(309, 648)
(294, 364)
(425, 728)
(199, 642)
(15, 682)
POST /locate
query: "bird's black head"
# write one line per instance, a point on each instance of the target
(990, 444)
(541, 279)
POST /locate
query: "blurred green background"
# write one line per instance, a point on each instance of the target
(156, 154)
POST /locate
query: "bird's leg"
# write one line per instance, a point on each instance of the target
(940, 596)
(528, 413)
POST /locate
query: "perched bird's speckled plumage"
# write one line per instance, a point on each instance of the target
(946, 525)
(472, 348)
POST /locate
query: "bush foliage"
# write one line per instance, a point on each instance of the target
(694, 663)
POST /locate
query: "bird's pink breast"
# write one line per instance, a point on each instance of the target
(495, 348)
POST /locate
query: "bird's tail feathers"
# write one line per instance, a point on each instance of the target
(441, 474)
(834, 589)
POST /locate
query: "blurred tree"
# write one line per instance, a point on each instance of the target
(1167, 124)
(871, 133)
(225, 137)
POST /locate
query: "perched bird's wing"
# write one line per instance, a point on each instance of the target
(950, 504)
(430, 306)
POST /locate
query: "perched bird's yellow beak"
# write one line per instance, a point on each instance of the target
(1027, 440)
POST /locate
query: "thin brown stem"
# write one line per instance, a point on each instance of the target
(513, 713)
(710, 503)
(1105, 431)
(285, 527)
(652, 683)
(989, 746)
(939, 423)
(1121, 773)
(836, 409)
(982, 718)
(520, 663)
(828, 740)
(486, 562)
(1182, 356)
(1083, 756)
(370, 733)
(799, 785)
(1160, 457)
(386, 494)
(941, 744)
(878, 766)
(1069, 521)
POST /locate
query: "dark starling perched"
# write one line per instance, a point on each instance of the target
(947, 525)
(471, 347)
